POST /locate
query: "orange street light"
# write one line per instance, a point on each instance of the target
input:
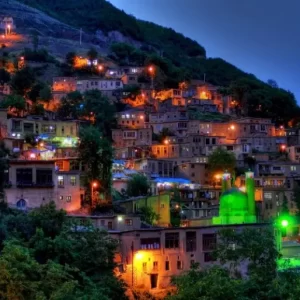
(151, 69)
(94, 184)
(100, 68)
(41, 144)
(283, 147)
(166, 142)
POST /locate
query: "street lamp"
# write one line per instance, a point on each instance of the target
(94, 185)
(151, 71)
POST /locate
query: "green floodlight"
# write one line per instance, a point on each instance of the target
(284, 223)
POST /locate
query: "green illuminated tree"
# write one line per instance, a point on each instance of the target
(148, 215)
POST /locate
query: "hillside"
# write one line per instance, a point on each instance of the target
(179, 57)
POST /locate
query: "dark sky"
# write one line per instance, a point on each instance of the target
(261, 37)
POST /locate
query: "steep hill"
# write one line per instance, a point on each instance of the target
(183, 58)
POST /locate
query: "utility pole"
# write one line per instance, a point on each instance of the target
(80, 35)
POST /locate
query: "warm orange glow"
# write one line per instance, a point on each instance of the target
(8, 26)
(94, 184)
(141, 117)
(176, 206)
(232, 127)
(151, 69)
(42, 144)
(100, 68)
(80, 62)
(166, 142)
(283, 147)
(218, 176)
(139, 255)
(32, 155)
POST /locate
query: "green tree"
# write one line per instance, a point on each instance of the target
(97, 106)
(96, 152)
(92, 54)
(221, 160)
(138, 185)
(148, 215)
(14, 102)
(70, 58)
(4, 76)
(45, 94)
(296, 198)
(71, 106)
(23, 81)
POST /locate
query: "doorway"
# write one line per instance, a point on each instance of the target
(153, 279)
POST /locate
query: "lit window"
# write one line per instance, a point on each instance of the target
(128, 222)
(61, 197)
(60, 180)
(68, 198)
(144, 267)
(73, 180)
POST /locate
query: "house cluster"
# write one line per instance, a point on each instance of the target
(166, 135)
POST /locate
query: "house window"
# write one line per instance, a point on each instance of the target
(61, 197)
(179, 265)
(60, 180)
(207, 141)
(293, 168)
(167, 265)
(44, 176)
(191, 241)
(150, 243)
(102, 222)
(73, 180)
(209, 241)
(172, 240)
(144, 267)
(128, 222)
(24, 176)
(68, 198)
(155, 266)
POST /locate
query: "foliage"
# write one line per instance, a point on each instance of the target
(92, 54)
(163, 134)
(70, 58)
(44, 256)
(296, 198)
(148, 215)
(16, 102)
(98, 107)
(40, 55)
(45, 93)
(4, 76)
(96, 152)
(70, 106)
(23, 81)
(137, 185)
(221, 160)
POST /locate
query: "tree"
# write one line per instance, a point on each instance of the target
(71, 106)
(4, 166)
(34, 93)
(70, 58)
(14, 102)
(23, 81)
(296, 198)
(272, 83)
(99, 108)
(221, 160)
(164, 133)
(92, 54)
(45, 94)
(96, 152)
(148, 215)
(137, 185)
(4, 76)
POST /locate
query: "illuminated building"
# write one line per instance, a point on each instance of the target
(149, 257)
(35, 182)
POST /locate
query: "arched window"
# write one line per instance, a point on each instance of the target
(21, 203)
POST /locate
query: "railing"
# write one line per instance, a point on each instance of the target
(35, 185)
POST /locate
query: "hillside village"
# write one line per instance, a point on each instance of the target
(84, 136)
